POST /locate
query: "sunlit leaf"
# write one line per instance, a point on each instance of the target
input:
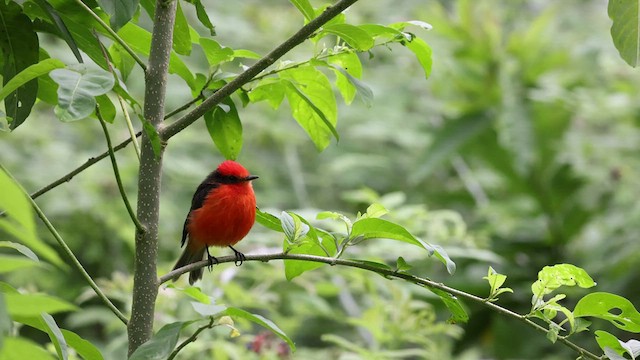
(305, 8)
(16, 348)
(613, 308)
(552, 277)
(269, 221)
(351, 34)
(9, 263)
(422, 51)
(458, 314)
(181, 35)
(271, 90)
(214, 52)
(35, 304)
(28, 74)
(625, 30)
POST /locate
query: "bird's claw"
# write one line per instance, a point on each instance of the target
(240, 258)
(212, 260)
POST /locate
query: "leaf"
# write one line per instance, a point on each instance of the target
(271, 90)
(181, 35)
(122, 60)
(312, 103)
(403, 24)
(84, 348)
(192, 291)
(266, 323)
(161, 344)
(376, 30)
(422, 51)
(214, 52)
(606, 340)
(152, 135)
(458, 314)
(208, 309)
(363, 90)
(402, 265)
(248, 54)
(6, 324)
(349, 62)
(305, 8)
(625, 30)
(552, 277)
(31, 305)
(19, 348)
(28, 74)
(269, 221)
(375, 210)
(19, 222)
(120, 11)
(9, 263)
(202, 15)
(56, 336)
(106, 108)
(294, 229)
(21, 249)
(77, 88)
(495, 282)
(351, 34)
(19, 47)
(225, 129)
(55, 18)
(613, 308)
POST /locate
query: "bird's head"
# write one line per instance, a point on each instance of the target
(231, 172)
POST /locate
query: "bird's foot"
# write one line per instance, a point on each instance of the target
(212, 260)
(240, 258)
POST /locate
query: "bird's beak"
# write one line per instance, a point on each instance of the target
(251, 177)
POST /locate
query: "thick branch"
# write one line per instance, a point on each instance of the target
(386, 273)
(145, 281)
(254, 70)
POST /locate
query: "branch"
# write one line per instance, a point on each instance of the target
(255, 69)
(74, 260)
(191, 338)
(386, 273)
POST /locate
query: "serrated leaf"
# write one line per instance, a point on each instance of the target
(225, 129)
(181, 33)
(28, 74)
(214, 52)
(423, 52)
(613, 308)
(19, 48)
(312, 103)
(305, 8)
(31, 305)
(625, 29)
(259, 320)
(269, 221)
(161, 344)
(120, 11)
(78, 86)
(56, 336)
(351, 34)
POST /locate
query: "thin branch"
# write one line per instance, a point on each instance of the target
(386, 273)
(185, 106)
(74, 260)
(113, 34)
(255, 69)
(191, 338)
(127, 119)
(116, 173)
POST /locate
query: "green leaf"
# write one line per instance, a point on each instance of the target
(120, 11)
(402, 265)
(312, 103)
(376, 30)
(458, 314)
(607, 340)
(305, 8)
(271, 90)
(625, 30)
(259, 320)
(201, 13)
(375, 210)
(364, 92)
(225, 128)
(31, 305)
(84, 348)
(6, 324)
(247, 54)
(28, 74)
(181, 35)
(106, 108)
(55, 18)
(21, 249)
(208, 309)
(613, 308)
(19, 222)
(19, 48)
(153, 136)
(552, 277)
(19, 348)
(161, 344)
(350, 63)
(77, 88)
(422, 51)
(122, 60)
(56, 336)
(495, 282)
(9, 263)
(193, 292)
(403, 24)
(351, 34)
(214, 52)
(294, 229)
(269, 221)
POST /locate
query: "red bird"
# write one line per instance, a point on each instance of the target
(222, 212)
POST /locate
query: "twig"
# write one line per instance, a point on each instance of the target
(255, 69)
(116, 173)
(127, 119)
(191, 338)
(115, 36)
(74, 260)
(384, 272)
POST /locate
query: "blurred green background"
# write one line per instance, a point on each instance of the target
(519, 151)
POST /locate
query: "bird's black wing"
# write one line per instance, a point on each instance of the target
(198, 199)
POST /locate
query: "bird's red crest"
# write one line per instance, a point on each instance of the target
(232, 168)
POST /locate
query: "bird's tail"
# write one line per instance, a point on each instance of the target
(190, 256)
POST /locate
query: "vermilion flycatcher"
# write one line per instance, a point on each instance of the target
(222, 212)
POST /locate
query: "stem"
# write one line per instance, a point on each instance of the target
(386, 273)
(116, 173)
(145, 280)
(255, 69)
(127, 119)
(190, 339)
(74, 260)
(113, 34)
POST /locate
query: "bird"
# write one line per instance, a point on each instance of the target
(223, 210)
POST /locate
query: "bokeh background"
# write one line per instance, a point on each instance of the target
(520, 151)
